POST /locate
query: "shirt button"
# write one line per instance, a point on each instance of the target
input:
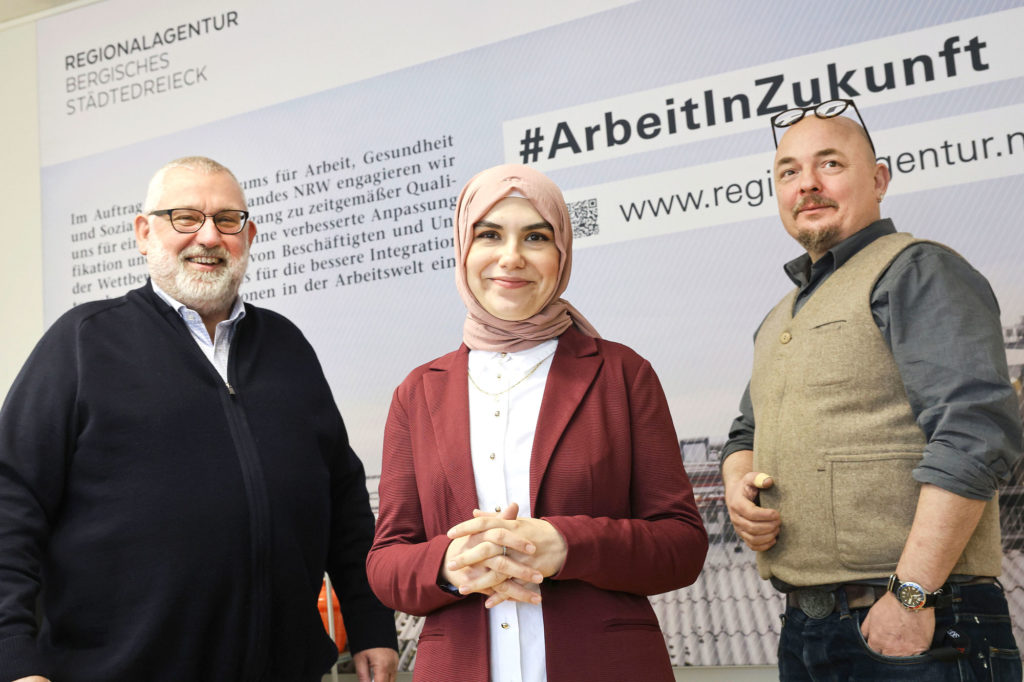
(785, 337)
(504, 355)
(497, 508)
(497, 413)
(499, 376)
(504, 626)
(492, 455)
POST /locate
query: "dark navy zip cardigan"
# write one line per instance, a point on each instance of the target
(177, 527)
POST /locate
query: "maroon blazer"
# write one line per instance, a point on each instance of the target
(605, 470)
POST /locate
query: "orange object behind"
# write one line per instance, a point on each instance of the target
(340, 638)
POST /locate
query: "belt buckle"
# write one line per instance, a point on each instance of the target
(816, 603)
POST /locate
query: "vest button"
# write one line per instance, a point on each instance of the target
(785, 337)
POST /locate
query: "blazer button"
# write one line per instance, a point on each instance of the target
(785, 337)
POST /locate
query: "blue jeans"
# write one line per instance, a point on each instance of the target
(832, 649)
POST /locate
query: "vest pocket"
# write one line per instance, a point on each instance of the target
(874, 497)
(825, 366)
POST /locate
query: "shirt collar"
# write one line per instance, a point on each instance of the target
(237, 310)
(801, 271)
(520, 357)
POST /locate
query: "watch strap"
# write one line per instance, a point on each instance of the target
(938, 599)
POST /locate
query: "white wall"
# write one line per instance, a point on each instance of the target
(21, 277)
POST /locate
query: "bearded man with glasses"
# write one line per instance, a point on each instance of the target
(877, 425)
(175, 477)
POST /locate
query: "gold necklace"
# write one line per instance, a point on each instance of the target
(525, 377)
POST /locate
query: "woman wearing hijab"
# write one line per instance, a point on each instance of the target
(532, 491)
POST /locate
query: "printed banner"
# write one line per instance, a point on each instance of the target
(353, 126)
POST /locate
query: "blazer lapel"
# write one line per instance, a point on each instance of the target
(445, 386)
(573, 370)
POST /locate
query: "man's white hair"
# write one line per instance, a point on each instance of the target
(201, 164)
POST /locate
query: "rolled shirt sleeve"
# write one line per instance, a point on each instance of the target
(741, 433)
(941, 320)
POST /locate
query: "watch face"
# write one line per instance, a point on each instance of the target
(911, 595)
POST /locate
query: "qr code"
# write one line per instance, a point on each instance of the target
(583, 215)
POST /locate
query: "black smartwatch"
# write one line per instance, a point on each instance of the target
(912, 596)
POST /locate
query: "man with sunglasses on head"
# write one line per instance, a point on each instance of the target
(175, 477)
(877, 424)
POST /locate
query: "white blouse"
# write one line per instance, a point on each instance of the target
(505, 392)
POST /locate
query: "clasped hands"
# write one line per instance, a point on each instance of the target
(503, 557)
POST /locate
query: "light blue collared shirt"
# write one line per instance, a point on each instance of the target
(216, 350)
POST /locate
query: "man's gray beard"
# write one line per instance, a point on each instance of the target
(819, 240)
(208, 293)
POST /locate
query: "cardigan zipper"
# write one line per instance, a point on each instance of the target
(254, 483)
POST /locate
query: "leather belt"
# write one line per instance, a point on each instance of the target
(819, 603)
(977, 580)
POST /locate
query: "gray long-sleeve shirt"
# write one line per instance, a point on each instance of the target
(940, 319)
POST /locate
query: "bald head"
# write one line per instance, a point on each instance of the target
(828, 182)
(853, 135)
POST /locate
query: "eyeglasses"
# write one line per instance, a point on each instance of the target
(829, 109)
(189, 220)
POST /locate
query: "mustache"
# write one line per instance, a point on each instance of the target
(815, 200)
(204, 251)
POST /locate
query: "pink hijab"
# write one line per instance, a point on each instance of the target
(483, 331)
